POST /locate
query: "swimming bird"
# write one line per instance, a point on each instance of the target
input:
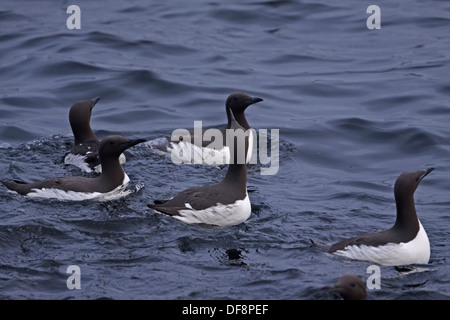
(109, 184)
(403, 244)
(223, 204)
(350, 287)
(187, 149)
(84, 153)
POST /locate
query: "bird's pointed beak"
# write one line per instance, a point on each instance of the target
(425, 173)
(254, 100)
(94, 102)
(131, 143)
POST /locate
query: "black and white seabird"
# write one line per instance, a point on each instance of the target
(187, 151)
(350, 287)
(223, 204)
(403, 244)
(84, 153)
(109, 185)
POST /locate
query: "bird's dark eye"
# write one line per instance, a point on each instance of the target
(235, 99)
(353, 285)
(111, 143)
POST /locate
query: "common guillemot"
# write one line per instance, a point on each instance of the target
(350, 287)
(187, 149)
(403, 244)
(109, 185)
(223, 204)
(84, 153)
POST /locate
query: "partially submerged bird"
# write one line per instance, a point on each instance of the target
(109, 185)
(350, 287)
(186, 148)
(84, 153)
(405, 243)
(223, 204)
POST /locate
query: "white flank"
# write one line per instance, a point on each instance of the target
(219, 215)
(80, 162)
(416, 251)
(52, 193)
(189, 153)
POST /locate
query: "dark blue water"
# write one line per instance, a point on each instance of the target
(355, 108)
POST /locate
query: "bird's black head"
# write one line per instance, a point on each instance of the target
(239, 101)
(113, 146)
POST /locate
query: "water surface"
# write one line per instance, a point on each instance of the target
(355, 108)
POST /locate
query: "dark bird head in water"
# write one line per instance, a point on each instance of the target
(113, 146)
(350, 287)
(239, 101)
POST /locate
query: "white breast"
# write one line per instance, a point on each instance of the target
(219, 215)
(416, 251)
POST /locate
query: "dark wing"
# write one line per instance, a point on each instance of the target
(198, 198)
(63, 183)
(90, 152)
(92, 159)
(20, 182)
(370, 239)
(85, 147)
(20, 187)
(171, 211)
(157, 201)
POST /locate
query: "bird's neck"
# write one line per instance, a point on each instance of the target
(406, 212)
(83, 134)
(240, 118)
(112, 169)
(236, 176)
